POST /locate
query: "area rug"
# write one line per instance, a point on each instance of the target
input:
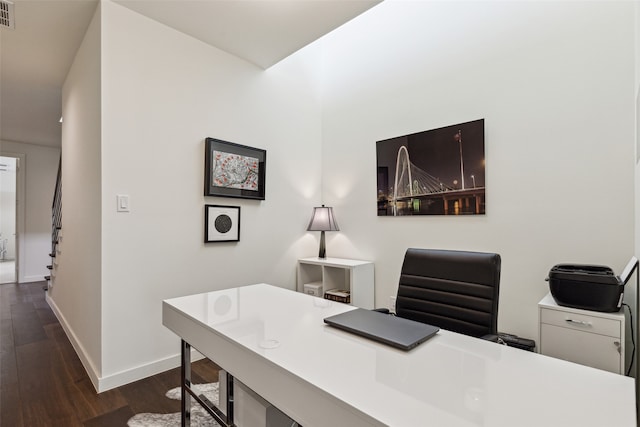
(199, 417)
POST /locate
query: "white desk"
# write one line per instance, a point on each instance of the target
(274, 341)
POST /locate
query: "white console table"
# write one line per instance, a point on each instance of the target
(353, 275)
(591, 338)
(275, 342)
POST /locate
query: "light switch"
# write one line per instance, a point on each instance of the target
(123, 203)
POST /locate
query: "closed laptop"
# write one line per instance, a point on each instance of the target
(395, 331)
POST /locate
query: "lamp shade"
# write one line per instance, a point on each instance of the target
(322, 219)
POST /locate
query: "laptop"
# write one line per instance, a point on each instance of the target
(395, 331)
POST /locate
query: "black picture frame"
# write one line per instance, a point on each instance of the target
(234, 170)
(221, 223)
(434, 172)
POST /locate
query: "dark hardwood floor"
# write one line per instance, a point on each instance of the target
(43, 383)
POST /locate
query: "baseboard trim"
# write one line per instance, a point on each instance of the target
(109, 382)
(144, 371)
(86, 362)
(31, 279)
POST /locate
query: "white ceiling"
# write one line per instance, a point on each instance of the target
(35, 56)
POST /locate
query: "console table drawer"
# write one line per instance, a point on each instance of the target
(581, 322)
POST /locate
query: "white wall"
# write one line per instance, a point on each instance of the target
(39, 169)
(76, 295)
(554, 82)
(558, 106)
(163, 93)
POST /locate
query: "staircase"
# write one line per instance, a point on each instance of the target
(56, 223)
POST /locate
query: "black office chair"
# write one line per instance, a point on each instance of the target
(455, 290)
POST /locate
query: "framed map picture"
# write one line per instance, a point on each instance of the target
(234, 170)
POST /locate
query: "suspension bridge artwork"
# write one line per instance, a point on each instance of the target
(435, 172)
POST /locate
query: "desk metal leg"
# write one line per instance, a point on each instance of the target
(186, 393)
(229, 399)
(185, 375)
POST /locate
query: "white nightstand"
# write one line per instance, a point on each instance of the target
(353, 275)
(591, 338)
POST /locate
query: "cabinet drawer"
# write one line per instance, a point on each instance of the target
(593, 324)
(597, 351)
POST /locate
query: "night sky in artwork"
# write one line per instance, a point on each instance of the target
(437, 152)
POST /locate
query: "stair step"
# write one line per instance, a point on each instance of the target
(50, 267)
(47, 277)
(52, 254)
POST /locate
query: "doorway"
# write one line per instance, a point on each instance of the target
(8, 225)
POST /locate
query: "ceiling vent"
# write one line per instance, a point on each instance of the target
(6, 14)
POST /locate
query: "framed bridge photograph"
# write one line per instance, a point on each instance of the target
(234, 170)
(434, 172)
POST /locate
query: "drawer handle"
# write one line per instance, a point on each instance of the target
(579, 322)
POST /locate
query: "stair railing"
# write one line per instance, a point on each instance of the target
(56, 216)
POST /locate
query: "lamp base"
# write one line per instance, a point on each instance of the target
(322, 253)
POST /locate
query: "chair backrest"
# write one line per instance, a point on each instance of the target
(455, 290)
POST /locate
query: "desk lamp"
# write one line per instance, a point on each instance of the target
(322, 220)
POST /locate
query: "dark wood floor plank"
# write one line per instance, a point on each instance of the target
(73, 382)
(6, 336)
(39, 383)
(46, 316)
(100, 404)
(116, 418)
(148, 395)
(10, 404)
(26, 324)
(169, 379)
(205, 370)
(72, 364)
(5, 307)
(84, 402)
(8, 368)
